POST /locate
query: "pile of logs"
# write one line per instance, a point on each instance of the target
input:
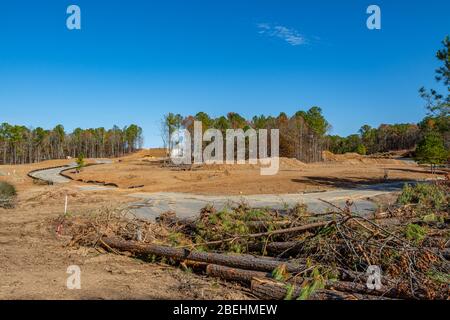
(291, 253)
(309, 252)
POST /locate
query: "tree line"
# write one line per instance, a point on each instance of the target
(304, 135)
(368, 140)
(301, 135)
(20, 144)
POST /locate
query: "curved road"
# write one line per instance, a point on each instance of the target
(53, 175)
(151, 205)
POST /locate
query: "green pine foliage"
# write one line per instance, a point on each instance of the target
(431, 150)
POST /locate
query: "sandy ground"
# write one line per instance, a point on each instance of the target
(293, 177)
(34, 260)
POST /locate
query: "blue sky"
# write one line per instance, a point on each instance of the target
(135, 60)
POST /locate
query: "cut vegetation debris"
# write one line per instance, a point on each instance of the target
(291, 254)
(428, 197)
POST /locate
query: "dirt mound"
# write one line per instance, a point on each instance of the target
(226, 167)
(355, 158)
(145, 154)
(285, 164)
(330, 156)
(291, 163)
(58, 194)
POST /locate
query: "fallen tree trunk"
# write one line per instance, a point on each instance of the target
(237, 261)
(266, 287)
(351, 281)
(389, 292)
(234, 274)
(274, 290)
(361, 277)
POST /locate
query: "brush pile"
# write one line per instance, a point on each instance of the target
(400, 253)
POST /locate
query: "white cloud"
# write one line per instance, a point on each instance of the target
(291, 36)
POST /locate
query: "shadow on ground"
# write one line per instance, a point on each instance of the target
(419, 170)
(355, 183)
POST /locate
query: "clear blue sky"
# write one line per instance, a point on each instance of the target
(135, 60)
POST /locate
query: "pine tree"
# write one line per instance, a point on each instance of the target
(431, 150)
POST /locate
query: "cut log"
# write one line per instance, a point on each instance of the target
(237, 261)
(273, 290)
(324, 294)
(389, 292)
(234, 274)
(268, 288)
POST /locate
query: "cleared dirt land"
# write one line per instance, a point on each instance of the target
(34, 257)
(144, 170)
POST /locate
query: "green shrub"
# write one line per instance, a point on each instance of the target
(80, 162)
(425, 195)
(361, 149)
(415, 232)
(7, 195)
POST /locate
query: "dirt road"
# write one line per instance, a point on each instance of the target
(186, 205)
(53, 175)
